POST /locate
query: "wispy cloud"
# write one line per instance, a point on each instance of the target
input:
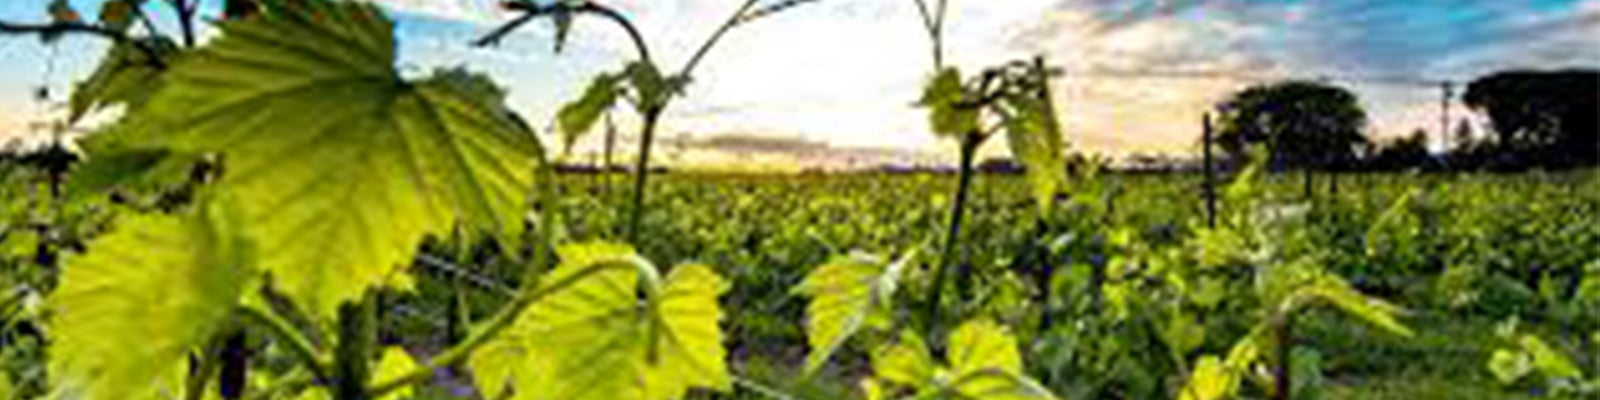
(845, 72)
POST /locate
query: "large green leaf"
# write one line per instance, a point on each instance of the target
(126, 76)
(1338, 292)
(341, 164)
(983, 364)
(575, 118)
(986, 365)
(847, 293)
(905, 361)
(943, 95)
(1034, 136)
(143, 297)
(597, 339)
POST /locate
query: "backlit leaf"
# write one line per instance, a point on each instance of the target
(845, 292)
(1346, 298)
(597, 339)
(126, 76)
(341, 164)
(1034, 136)
(143, 298)
(905, 361)
(394, 364)
(1211, 380)
(981, 345)
(984, 364)
(943, 95)
(576, 118)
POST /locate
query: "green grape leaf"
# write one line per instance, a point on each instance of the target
(1509, 366)
(312, 119)
(142, 298)
(905, 361)
(1338, 292)
(505, 359)
(1547, 360)
(845, 294)
(1211, 380)
(111, 163)
(1034, 135)
(942, 96)
(653, 89)
(126, 76)
(983, 364)
(395, 363)
(576, 118)
(596, 339)
(986, 365)
(983, 345)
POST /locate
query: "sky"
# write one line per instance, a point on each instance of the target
(837, 78)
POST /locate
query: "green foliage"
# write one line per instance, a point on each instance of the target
(943, 96)
(394, 363)
(126, 76)
(577, 117)
(130, 311)
(983, 363)
(1211, 380)
(848, 293)
(424, 154)
(597, 339)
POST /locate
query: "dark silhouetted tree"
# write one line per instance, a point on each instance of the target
(1305, 125)
(1402, 153)
(1542, 118)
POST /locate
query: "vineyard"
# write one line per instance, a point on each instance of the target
(279, 212)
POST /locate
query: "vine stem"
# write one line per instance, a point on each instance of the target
(185, 10)
(969, 149)
(1283, 334)
(652, 117)
(82, 28)
(533, 10)
(302, 348)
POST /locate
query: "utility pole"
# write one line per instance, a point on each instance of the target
(1448, 89)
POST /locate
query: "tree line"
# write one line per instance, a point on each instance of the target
(1537, 120)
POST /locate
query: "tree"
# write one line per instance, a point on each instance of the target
(1402, 153)
(1544, 117)
(1303, 124)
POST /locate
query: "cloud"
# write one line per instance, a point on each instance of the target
(1140, 73)
(844, 72)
